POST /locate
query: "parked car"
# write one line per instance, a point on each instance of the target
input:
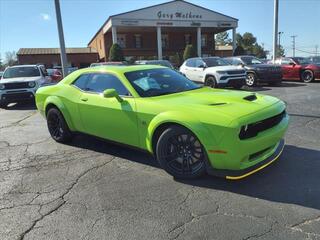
(19, 83)
(107, 64)
(314, 60)
(214, 72)
(68, 69)
(257, 71)
(55, 74)
(1, 73)
(299, 68)
(164, 63)
(189, 129)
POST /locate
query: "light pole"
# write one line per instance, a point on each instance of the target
(275, 29)
(63, 54)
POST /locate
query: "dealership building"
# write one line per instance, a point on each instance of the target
(163, 30)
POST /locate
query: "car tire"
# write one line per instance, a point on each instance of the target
(3, 105)
(307, 76)
(180, 153)
(210, 82)
(251, 80)
(57, 126)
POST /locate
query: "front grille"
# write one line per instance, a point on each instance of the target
(16, 85)
(252, 130)
(234, 72)
(17, 96)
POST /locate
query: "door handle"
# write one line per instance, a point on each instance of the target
(84, 99)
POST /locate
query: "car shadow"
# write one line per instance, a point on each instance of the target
(21, 106)
(285, 83)
(293, 179)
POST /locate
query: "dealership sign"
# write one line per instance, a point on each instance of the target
(178, 15)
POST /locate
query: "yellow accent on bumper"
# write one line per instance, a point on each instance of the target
(255, 170)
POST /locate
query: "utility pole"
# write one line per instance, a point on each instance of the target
(293, 44)
(63, 54)
(275, 29)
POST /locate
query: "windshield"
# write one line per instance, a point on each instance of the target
(251, 60)
(301, 60)
(213, 62)
(159, 81)
(14, 72)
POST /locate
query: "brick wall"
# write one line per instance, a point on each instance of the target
(77, 60)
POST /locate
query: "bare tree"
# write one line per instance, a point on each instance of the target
(10, 58)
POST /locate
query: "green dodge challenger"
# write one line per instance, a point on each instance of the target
(189, 129)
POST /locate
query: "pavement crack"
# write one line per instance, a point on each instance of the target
(62, 197)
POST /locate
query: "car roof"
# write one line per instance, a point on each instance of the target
(28, 65)
(124, 68)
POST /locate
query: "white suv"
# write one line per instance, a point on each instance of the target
(214, 72)
(20, 83)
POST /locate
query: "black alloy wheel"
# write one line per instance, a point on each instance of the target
(210, 82)
(57, 126)
(180, 153)
(307, 76)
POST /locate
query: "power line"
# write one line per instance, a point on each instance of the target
(293, 44)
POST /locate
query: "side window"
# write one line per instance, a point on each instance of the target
(285, 61)
(236, 61)
(191, 62)
(100, 82)
(81, 81)
(199, 63)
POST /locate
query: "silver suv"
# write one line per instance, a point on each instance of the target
(20, 83)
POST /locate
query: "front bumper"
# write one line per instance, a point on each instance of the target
(239, 174)
(16, 96)
(233, 82)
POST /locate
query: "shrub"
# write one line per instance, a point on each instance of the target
(115, 53)
(189, 52)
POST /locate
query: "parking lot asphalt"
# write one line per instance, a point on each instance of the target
(91, 189)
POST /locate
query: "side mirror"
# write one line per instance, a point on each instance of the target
(202, 66)
(112, 93)
(292, 64)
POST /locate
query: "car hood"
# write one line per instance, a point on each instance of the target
(224, 68)
(20, 79)
(203, 101)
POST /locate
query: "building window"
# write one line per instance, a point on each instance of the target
(187, 39)
(121, 40)
(137, 41)
(165, 40)
(204, 40)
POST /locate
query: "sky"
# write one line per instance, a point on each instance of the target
(32, 23)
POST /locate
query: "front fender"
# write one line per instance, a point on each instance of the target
(186, 120)
(60, 105)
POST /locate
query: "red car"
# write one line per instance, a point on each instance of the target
(299, 68)
(55, 74)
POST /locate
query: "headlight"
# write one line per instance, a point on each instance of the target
(221, 72)
(31, 84)
(2, 86)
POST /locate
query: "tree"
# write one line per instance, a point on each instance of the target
(189, 52)
(222, 38)
(1, 64)
(115, 53)
(249, 45)
(10, 58)
(258, 51)
(239, 51)
(280, 52)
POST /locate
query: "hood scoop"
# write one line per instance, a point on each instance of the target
(217, 104)
(251, 97)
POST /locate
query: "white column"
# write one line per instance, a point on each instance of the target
(114, 35)
(199, 41)
(234, 42)
(159, 43)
